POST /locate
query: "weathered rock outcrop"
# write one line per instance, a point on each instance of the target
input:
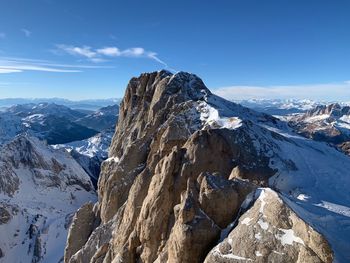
(273, 233)
(80, 230)
(177, 173)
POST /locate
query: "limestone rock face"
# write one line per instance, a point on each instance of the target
(80, 230)
(271, 232)
(193, 229)
(178, 172)
(150, 101)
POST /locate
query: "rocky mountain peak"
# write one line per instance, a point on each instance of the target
(183, 167)
(329, 123)
(334, 110)
(150, 99)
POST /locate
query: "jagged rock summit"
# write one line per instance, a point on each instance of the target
(186, 172)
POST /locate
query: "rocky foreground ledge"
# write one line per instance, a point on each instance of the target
(189, 178)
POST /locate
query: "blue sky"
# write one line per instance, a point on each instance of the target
(81, 49)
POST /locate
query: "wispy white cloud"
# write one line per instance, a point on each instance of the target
(17, 65)
(83, 51)
(2, 35)
(109, 51)
(26, 32)
(7, 70)
(330, 91)
(104, 53)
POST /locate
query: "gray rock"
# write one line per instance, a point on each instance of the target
(5, 216)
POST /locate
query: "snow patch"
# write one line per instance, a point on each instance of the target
(264, 225)
(217, 252)
(246, 221)
(210, 117)
(258, 236)
(303, 197)
(288, 237)
(278, 253)
(258, 254)
(317, 118)
(112, 159)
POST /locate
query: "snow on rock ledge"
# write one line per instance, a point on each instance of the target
(271, 232)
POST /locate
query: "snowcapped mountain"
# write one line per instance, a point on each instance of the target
(51, 122)
(40, 189)
(102, 119)
(56, 129)
(192, 177)
(71, 129)
(93, 146)
(45, 109)
(329, 123)
(92, 104)
(90, 153)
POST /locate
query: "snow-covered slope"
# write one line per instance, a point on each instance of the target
(90, 153)
(312, 177)
(94, 146)
(40, 189)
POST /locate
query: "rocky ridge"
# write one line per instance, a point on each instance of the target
(40, 189)
(183, 169)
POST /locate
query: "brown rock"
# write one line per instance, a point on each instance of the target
(193, 233)
(219, 199)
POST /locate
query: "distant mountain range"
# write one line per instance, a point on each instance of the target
(283, 106)
(91, 104)
(55, 123)
(86, 135)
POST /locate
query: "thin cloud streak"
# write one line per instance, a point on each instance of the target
(17, 65)
(8, 70)
(331, 91)
(21, 68)
(42, 62)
